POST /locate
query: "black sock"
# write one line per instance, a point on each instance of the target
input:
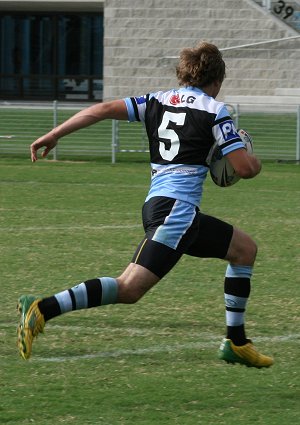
(237, 334)
(88, 294)
(50, 307)
(236, 290)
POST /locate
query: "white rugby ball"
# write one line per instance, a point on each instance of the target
(221, 171)
(246, 139)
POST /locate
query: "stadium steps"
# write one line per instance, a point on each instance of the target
(266, 100)
(288, 92)
(282, 101)
(133, 63)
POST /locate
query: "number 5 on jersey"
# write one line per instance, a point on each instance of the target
(167, 134)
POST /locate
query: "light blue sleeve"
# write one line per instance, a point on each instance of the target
(136, 107)
(225, 133)
(130, 109)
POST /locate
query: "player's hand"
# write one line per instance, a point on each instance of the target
(49, 141)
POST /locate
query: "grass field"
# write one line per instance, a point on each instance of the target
(154, 362)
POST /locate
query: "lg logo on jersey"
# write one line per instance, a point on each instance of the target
(175, 99)
(228, 130)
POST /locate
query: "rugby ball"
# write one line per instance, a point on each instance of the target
(246, 139)
(221, 171)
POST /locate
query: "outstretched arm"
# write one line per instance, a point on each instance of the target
(115, 109)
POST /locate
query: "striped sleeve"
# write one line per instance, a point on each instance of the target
(136, 107)
(225, 133)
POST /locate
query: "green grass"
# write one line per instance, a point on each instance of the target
(154, 362)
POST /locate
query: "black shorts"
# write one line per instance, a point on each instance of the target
(173, 228)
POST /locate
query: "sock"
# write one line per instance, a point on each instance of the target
(88, 294)
(236, 294)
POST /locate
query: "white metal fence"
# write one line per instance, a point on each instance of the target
(275, 130)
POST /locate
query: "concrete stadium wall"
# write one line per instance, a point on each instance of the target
(140, 35)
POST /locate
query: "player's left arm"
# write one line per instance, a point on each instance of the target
(115, 109)
(245, 164)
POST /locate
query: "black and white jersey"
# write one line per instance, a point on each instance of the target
(182, 125)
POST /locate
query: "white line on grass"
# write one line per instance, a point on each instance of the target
(61, 211)
(85, 184)
(126, 186)
(160, 349)
(67, 228)
(121, 353)
(205, 340)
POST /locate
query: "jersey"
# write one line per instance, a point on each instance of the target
(182, 125)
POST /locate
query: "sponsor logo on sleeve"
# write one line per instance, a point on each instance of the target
(141, 99)
(228, 130)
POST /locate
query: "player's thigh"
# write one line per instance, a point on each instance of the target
(156, 257)
(212, 239)
(166, 221)
(151, 261)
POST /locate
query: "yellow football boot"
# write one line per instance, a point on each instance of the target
(32, 322)
(245, 354)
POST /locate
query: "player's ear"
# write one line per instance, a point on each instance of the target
(216, 87)
(218, 84)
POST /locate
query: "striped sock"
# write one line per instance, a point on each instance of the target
(88, 294)
(236, 294)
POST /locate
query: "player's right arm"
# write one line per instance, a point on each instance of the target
(245, 164)
(115, 109)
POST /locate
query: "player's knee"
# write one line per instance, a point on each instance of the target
(243, 249)
(252, 251)
(132, 297)
(134, 282)
(129, 294)
(247, 255)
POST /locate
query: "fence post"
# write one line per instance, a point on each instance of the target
(55, 125)
(114, 140)
(298, 136)
(237, 114)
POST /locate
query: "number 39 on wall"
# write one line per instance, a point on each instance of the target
(281, 6)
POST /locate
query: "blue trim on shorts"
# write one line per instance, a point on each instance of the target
(176, 224)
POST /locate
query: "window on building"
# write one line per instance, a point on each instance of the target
(51, 56)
